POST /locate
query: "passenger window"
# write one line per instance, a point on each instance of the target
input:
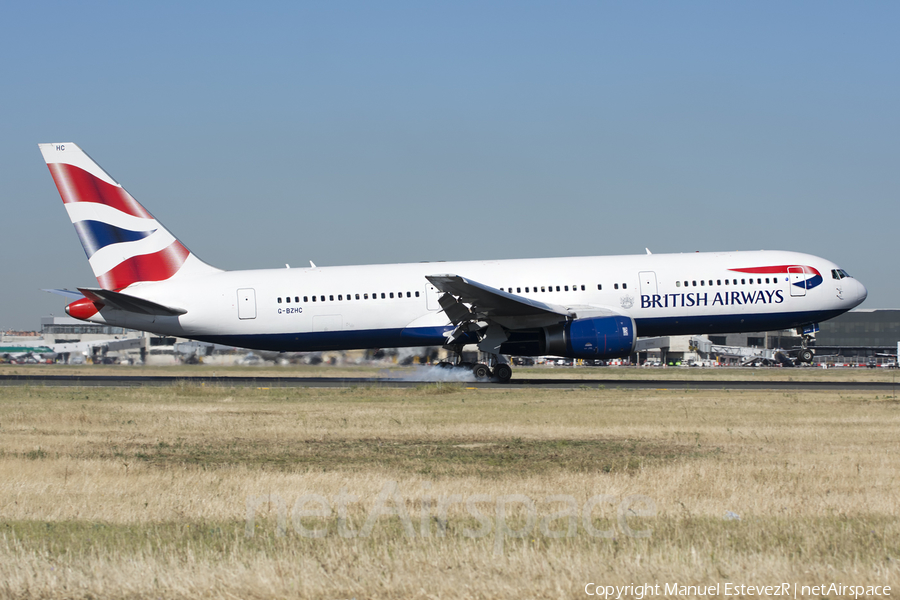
(382, 295)
(288, 299)
(695, 283)
(297, 299)
(599, 286)
(306, 298)
(392, 294)
(365, 296)
(409, 294)
(518, 290)
(323, 298)
(543, 289)
(279, 300)
(340, 297)
(767, 280)
(718, 282)
(615, 286)
(677, 284)
(357, 296)
(743, 282)
(582, 288)
(550, 289)
(314, 298)
(624, 286)
(417, 294)
(557, 288)
(566, 288)
(702, 283)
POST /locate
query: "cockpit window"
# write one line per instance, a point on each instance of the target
(839, 274)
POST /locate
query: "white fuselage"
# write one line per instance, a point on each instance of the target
(330, 308)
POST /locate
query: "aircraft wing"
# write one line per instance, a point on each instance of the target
(130, 303)
(492, 314)
(491, 302)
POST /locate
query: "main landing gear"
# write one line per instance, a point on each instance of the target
(497, 368)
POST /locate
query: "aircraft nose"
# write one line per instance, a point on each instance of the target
(861, 292)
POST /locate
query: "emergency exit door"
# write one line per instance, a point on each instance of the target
(648, 282)
(246, 303)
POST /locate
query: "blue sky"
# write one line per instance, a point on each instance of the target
(350, 133)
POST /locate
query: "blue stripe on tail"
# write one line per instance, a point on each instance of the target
(95, 235)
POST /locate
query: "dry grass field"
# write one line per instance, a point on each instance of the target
(441, 491)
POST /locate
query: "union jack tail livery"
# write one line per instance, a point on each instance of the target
(123, 242)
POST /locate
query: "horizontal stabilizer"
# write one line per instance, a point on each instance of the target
(129, 303)
(66, 293)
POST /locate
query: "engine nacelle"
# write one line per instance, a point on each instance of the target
(597, 337)
(589, 338)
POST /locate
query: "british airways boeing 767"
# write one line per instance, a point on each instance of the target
(582, 307)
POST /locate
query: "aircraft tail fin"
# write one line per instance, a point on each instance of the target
(123, 242)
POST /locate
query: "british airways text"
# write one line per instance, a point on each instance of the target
(708, 299)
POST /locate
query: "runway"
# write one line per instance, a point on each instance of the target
(348, 382)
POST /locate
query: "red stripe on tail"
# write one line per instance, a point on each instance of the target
(158, 266)
(77, 185)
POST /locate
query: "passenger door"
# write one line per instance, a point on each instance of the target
(797, 281)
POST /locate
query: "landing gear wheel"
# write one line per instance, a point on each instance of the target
(503, 373)
(805, 356)
(481, 371)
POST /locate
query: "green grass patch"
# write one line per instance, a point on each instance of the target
(442, 458)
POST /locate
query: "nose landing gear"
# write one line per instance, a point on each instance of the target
(806, 354)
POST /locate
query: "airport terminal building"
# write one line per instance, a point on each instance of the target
(853, 337)
(863, 334)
